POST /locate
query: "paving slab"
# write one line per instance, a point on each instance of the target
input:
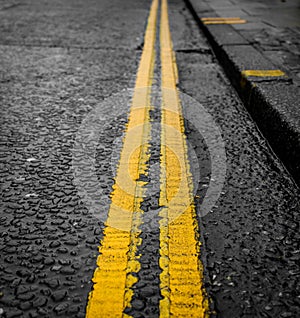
(269, 41)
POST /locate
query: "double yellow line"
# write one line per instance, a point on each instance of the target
(181, 269)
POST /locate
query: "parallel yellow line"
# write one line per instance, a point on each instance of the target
(117, 261)
(182, 273)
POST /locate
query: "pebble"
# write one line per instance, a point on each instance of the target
(71, 242)
(39, 302)
(62, 250)
(59, 295)
(22, 289)
(67, 271)
(73, 309)
(26, 296)
(61, 308)
(49, 261)
(54, 244)
(14, 313)
(137, 304)
(25, 305)
(77, 299)
(31, 159)
(64, 262)
(52, 283)
(42, 311)
(147, 291)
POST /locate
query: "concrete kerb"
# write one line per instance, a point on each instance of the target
(260, 95)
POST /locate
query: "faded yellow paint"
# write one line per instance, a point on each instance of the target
(117, 261)
(219, 18)
(263, 73)
(223, 20)
(182, 274)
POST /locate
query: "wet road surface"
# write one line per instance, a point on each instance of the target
(68, 76)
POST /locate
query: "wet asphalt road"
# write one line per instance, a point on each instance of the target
(64, 62)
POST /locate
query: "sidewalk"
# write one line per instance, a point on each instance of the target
(266, 38)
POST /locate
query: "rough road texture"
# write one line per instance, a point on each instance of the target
(60, 60)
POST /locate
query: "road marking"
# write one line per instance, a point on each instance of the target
(222, 20)
(182, 274)
(117, 261)
(263, 73)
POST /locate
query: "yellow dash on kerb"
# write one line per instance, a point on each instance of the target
(117, 261)
(263, 73)
(223, 20)
(182, 273)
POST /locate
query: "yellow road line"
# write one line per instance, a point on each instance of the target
(181, 276)
(263, 73)
(117, 260)
(223, 20)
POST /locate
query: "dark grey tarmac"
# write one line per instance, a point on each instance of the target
(67, 72)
